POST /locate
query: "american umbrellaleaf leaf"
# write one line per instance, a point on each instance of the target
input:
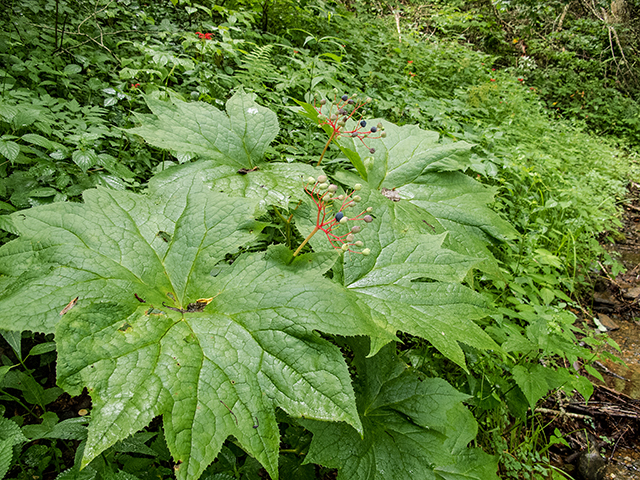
(410, 279)
(455, 197)
(417, 166)
(414, 427)
(460, 205)
(238, 139)
(155, 324)
(405, 153)
(278, 184)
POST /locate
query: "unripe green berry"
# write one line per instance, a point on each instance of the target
(323, 102)
(333, 188)
(369, 100)
(323, 186)
(368, 218)
(344, 220)
(357, 187)
(366, 251)
(357, 198)
(383, 135)
(356, 229)
(379, 125)
(358, 244)
(345, 247)
(340, 197)
(350, 237)
(311, 180)
(322, 178)
(369, 209)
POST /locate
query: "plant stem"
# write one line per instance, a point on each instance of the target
(316, 228)
(325, 148)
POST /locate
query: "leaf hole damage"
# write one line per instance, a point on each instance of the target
(197, 306)
(125, 326)
(244, 171)
(166, 237)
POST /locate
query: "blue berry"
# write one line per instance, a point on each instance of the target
(339, 216)
(363, 123)
(345, 97)
(374, 129)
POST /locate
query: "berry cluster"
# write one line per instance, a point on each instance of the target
(332, 208)
(204, 36)
(339, 112)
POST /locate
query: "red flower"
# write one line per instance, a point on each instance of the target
(493, 69)
(412, 74)
(410, 61)
(135, 85)
(295, 51)
(493, 79)
(208, 36)
(521, 79)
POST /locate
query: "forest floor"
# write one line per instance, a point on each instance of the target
(604, 433)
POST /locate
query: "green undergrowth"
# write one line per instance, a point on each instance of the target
(158, 184)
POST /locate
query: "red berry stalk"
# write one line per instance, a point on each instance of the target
(342, 110)
(331, 215)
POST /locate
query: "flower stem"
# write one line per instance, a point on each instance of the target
(316, 228)
(325, 149)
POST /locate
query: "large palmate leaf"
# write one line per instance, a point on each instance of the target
(404, 154)
(410, 279)
(414, 427)
(239, 139)
(276, 184)
(416, 165)
(460, 205)
(151, 319)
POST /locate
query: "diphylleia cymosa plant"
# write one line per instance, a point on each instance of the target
(331, 215)
(336, 115)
